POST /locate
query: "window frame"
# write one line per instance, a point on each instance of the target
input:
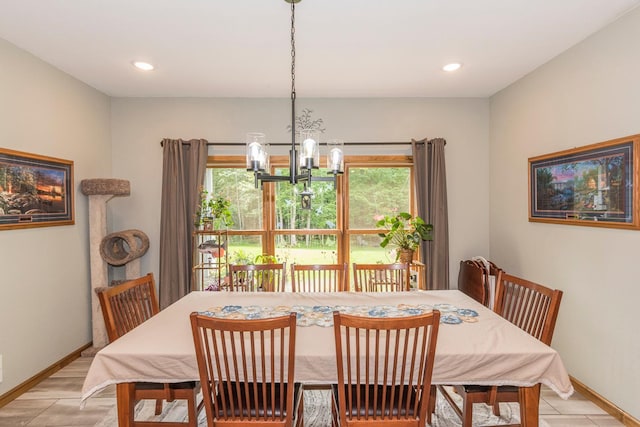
(343, 231)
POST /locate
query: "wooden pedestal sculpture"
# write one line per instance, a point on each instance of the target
(99, 191)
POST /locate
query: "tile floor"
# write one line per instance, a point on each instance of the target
(56, 402)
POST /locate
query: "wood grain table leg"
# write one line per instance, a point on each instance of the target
(126, 404)
(529, 405)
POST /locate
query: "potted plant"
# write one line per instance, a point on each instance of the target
(264, 279)
(405, 232)
(213, 213)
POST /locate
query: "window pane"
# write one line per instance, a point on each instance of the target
(244, 249)
(290, 215)
(365, 249)
(238, 186)
(377, 191)
(309, 249)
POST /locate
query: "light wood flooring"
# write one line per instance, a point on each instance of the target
(56, 402)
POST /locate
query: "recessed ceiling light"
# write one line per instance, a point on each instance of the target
(144, 66)
(452, 67)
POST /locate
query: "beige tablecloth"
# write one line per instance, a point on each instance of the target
(490, 351)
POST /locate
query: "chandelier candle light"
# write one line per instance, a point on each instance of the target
(257, 149)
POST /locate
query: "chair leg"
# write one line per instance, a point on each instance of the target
(493, 400)
(496, 409)
(432, 403)
(192, 412)
(159, 403)
(334, 411)
(467, 412)
(300, 412)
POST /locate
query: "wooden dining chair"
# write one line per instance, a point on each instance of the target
(533, 308)
(474, 280)
(471, 281)
(257, 277)
(381, 277)
(126, 306)
(246, 370)
(384, 369)
(418, 275)
(318, 277)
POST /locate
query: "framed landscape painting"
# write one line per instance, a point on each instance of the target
(35, 191)
(595, 185)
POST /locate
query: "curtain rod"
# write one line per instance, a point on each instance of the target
(240, 144)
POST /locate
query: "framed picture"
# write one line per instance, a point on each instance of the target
(35, 191)
(595, 185)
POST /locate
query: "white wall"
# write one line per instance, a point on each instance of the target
(138, 126)
(44, 281)
(586, 95)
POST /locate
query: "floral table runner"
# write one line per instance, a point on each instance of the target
(322, 315)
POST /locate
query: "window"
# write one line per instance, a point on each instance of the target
(338, 227)
(374, 191)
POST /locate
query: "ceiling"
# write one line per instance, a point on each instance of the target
(344, 48)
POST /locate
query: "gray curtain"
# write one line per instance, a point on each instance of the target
(431, 197)
(183, 167)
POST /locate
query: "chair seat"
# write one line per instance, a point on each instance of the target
(239, 408)
(364, 407)
(185, 385)
(486, 388)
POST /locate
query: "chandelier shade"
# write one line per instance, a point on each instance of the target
(335, 156)
(309, 149)
(256, 152)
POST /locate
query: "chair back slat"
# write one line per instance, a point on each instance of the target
(128, 304)
(381, 277)
(257, 277)
(384, 368)
(530, 306)
(246, 368)
(318, 277)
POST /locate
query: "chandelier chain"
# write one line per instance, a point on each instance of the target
(293, 49)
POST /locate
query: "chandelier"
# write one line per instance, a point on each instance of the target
(308, 158)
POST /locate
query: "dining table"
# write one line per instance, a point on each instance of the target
(475, 345)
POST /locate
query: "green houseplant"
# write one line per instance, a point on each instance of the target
(404, 232)
(213, 212)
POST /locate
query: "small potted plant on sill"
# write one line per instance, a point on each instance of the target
(404, 232)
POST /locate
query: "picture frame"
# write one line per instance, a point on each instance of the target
(35, 190)
(595, 185)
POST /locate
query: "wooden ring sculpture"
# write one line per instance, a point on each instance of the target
(124, 246)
